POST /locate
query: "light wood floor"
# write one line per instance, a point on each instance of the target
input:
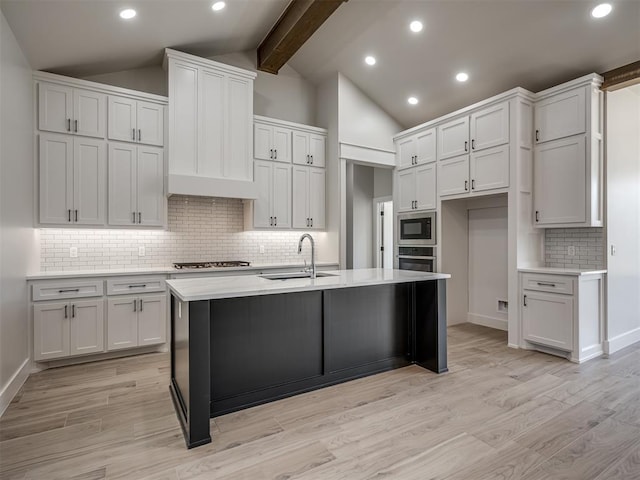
(499, 414)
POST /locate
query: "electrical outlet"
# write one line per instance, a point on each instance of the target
(142, 251)
(73, 252)
(261, 248)
(571, 251)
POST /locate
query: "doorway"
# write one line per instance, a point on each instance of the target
(383, 232)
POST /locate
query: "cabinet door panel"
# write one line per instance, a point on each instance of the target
(489, 169)
(150, 185)
(317, 146)
(183, 118)
(317, 189)
(548, 319)
(559, 190)
(263, 172)
(282, 144)
(89, 181)
(262, 141)
(55, 107)
(490, 127)
(122, 323)
(122, 119)
(560, 116)
(152, 320)
(406, 152)
(453, 138)
(122, 184)
(426, 187)
(51, 330)
(426, 146)
(239, 147)
(281, 195)
(150, 119)
(300, 149)
(453, 176)
(406, 190)
(211, 133)
(56, 178)
(300, 197)
(89, 113)
(87, 327)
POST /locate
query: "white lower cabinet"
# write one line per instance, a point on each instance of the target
(136, 321)
(63, 329)
(563, 314)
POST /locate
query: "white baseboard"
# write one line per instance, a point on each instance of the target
(621, 341)
(490, 322)
(13, 385)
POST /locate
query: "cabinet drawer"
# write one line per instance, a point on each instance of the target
(135, 285)
(63, 290)
(548, 283)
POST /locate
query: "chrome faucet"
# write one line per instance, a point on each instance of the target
(313, 252)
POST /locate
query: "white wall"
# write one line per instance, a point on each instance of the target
(623, 217)
(17, 237)
(287, 96)
(362, 218)
(382, 182)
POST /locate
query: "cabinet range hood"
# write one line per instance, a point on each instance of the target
(211, 187)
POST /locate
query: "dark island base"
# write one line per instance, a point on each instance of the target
(231, 354)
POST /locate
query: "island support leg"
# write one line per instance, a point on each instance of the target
(430, 325)
(190, 369)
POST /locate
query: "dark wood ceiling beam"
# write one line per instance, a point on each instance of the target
(622, 76)
(298, 22)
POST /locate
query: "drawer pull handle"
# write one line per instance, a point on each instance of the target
(67, 290)
(141, 285)
(73, 311)
(525, 300)
(140, 304)
(66, 309)
(545, 284)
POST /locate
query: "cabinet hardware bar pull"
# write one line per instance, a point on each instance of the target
(76, 215)
(308, 159)
(465, 146)
(140, 304)
(466, 185)
(67, 290)
(73, 311)
(537, 216)
(546, 284)
(473, 144)
(139, 285)
(473, 184)
(69, 215)
(537, 135)
(139, 217)
(275, 152)
(68, 124)
(135, 304)
(65, 311)
(311, 159)
(139, 135)
(134, 217)
(312, 222)
(525, 300)
(271, 221)
(134, 134)
(275, 221)
(76, 129)
(307, 222)
(271, 153)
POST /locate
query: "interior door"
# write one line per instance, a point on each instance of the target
(300, 197)
(152, 324)
(89, 181)
(55, 107)
(122, 119)
(122, 184)
(150, 117)
(281, 195)
(262, 175)
(87, 327)
(317, 188)
(122, 322)
(56, 178)
(150, 185)
(88, 113)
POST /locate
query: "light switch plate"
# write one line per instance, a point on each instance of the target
(571, 251)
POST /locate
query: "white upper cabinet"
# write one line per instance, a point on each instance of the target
(453, 176)
(72, 180)
(150, 186)
(271, 142)
(568, 164)
(65, 109)
(135, 121)
(309, 148)
(490, 127)
(560, 115)
(453, 138)
(489, 169)
(309, 185)
(417, 188)
(210, 127)
(272, 208)
(417, 149)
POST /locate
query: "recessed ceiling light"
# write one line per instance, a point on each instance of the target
(412, 100)
(415, 26)
(370, 60)
(601, 10)
(218, 6)
(462, 77)
(128, 13)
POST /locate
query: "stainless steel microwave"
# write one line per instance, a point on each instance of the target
(417, 229)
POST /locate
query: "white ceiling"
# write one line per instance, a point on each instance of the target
(500, 43)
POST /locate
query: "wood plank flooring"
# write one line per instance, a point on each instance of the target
(499, 414)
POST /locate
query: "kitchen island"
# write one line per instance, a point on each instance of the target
(246, 340)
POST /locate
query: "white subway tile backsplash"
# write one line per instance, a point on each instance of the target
(588, 243)
(199, 229)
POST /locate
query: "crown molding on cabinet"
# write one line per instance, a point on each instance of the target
(205, 62)
(285, 123)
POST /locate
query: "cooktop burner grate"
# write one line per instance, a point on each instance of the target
(219, 264)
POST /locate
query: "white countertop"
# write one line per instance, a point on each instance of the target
(561, 271)
(194, 289)
(170, 270)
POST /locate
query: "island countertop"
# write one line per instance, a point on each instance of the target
(211, 288)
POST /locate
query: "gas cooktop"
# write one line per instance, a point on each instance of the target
(218, 264)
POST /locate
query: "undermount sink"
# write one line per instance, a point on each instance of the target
(290, 276)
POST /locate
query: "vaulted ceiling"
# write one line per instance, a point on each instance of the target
(499, 43)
